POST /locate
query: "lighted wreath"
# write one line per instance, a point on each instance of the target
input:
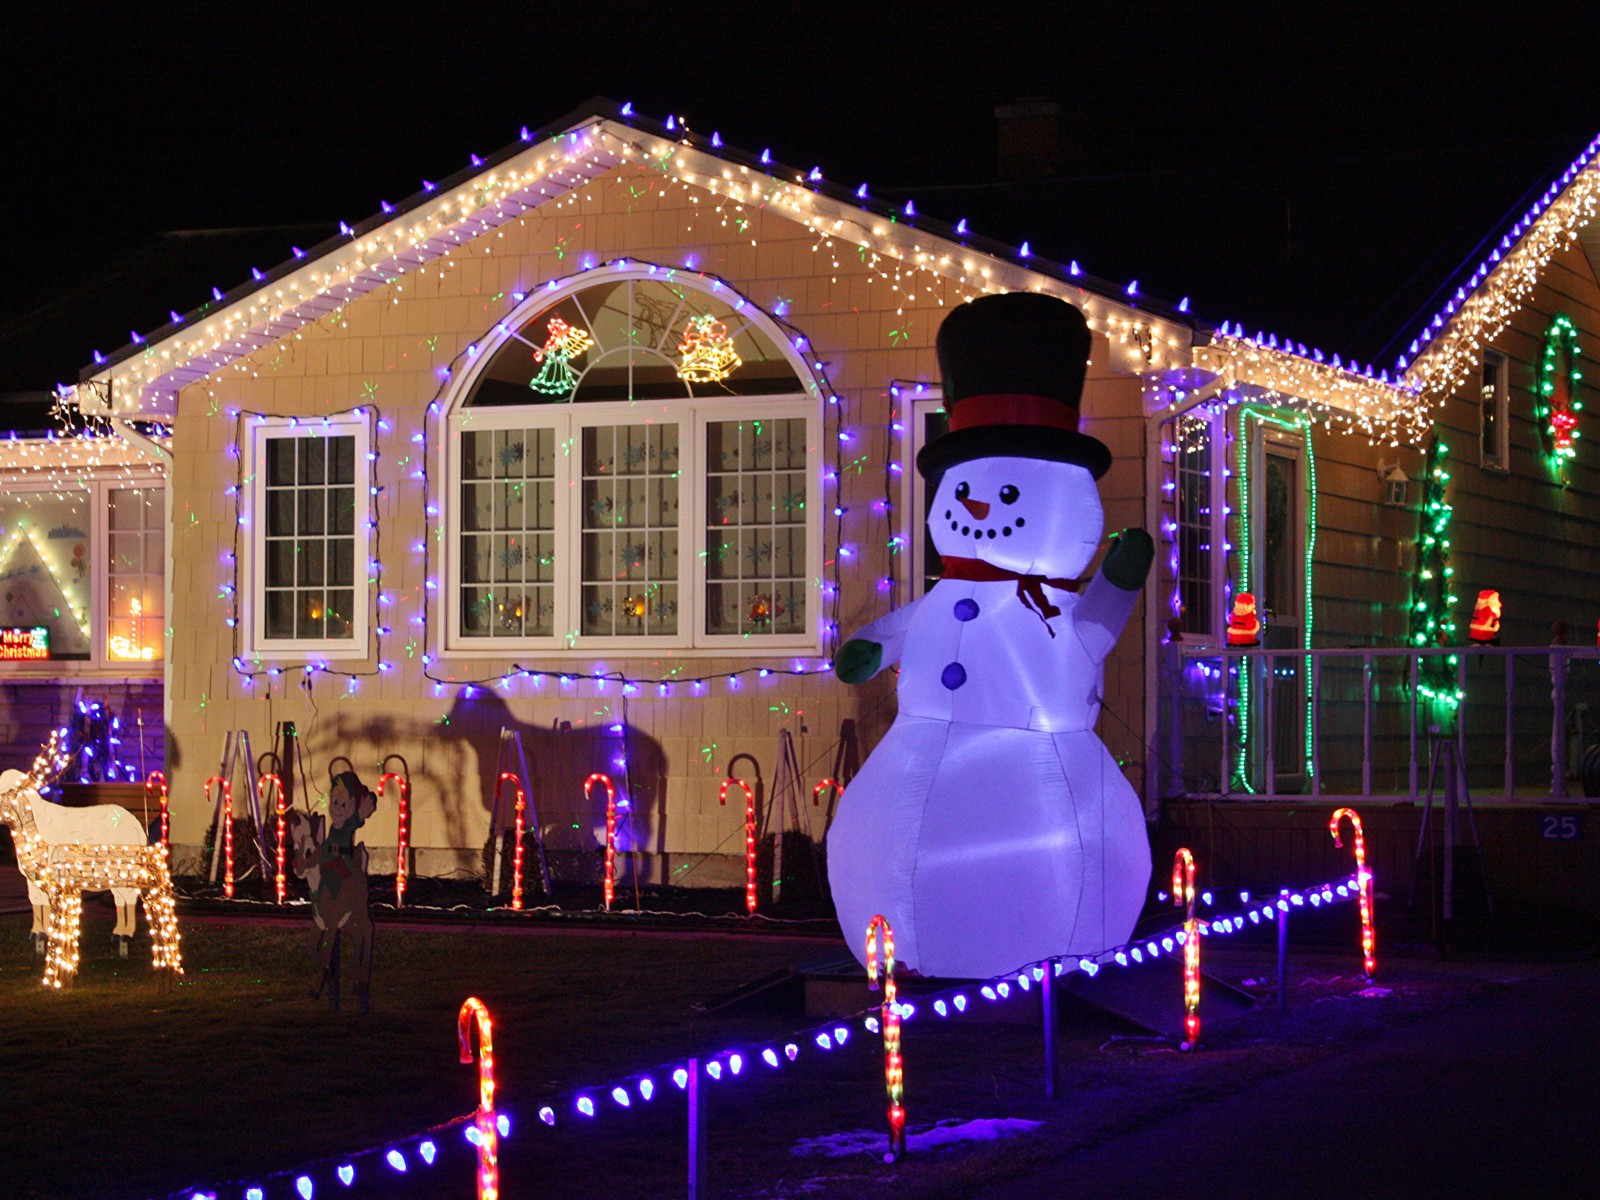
(1557, 404)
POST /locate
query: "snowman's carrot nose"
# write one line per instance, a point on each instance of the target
(978, 508)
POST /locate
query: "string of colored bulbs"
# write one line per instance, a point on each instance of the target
(623, 1093)
(631, 684)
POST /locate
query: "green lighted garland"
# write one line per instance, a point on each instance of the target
(1556, 407)
(1292, 423)
(1433, 601)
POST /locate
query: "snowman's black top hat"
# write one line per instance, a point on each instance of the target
(1013, 368)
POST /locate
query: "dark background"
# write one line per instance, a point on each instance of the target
(1326, 171)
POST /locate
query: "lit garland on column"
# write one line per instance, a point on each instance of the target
(1433, 599)
(1295, 423)
(1556, 404)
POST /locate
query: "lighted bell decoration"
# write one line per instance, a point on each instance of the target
(708, 354)
(633, 606)
(761, 609)
(562, 344)
(1244, 627)
(1485, 627)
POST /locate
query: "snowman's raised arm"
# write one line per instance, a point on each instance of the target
(1110, 598)
(876, 645)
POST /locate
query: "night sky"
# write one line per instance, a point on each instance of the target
(1318, 170)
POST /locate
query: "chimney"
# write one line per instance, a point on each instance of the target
(1029, 138)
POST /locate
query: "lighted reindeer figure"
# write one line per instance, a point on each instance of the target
(334, 867)
(96, 855)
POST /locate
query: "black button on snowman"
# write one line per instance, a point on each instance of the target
(990, 825)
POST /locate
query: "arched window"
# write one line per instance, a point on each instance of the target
(633, 466)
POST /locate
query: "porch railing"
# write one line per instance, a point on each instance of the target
(1343, 724)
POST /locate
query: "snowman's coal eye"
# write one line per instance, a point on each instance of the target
(1009, 494)
(962, 491)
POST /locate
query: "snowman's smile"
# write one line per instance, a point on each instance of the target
(977, 529)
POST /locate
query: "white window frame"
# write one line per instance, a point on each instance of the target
(1500, 460)
(692, 415)
(914, 488)
(252, 570)
(98, 488)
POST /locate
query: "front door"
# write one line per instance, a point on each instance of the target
(1280, 576)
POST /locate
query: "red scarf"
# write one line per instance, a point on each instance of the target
(1030, 588)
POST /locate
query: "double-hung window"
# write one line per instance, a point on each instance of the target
(634, 467)
(308, 518)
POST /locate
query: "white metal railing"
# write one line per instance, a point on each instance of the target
(1223, 713)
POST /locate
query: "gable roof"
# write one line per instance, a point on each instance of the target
(141, 379)
(1450, 344)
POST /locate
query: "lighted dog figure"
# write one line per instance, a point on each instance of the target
(62, 872)
(334, 867)
(58, 825)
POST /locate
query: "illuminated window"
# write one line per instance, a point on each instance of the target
(135, 562)
(634, 466)
(1493, 403)
(1192, 504)
(46, 558)
(308, 576)
(929, 421)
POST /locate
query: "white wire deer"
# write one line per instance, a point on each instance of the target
(64, 852)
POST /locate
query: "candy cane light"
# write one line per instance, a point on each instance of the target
(475, 1014)
(1363, 883)
(280, 880)
(878, 930)
(609, 887)
(816, 792)
(749, 838)
(1183, 895)
(520, 830)
(224, 830)
(404, 836)
(151, 783)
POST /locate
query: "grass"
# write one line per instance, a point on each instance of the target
(118, 1090)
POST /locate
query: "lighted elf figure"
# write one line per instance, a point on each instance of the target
(708, 354)
(563, 343)
(991, 826)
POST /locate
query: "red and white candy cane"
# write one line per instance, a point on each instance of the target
(224, 831)
(166, 827)
(610, 885)
(280, 880)
(816, 792)
(1183, 894)
(520, 830)
(1369, 942)
(889, 1017)
(474, 1013)
(404, 833)
(749, 838)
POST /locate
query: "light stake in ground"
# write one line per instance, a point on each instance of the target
(475, 1014)
(403, 837)
(518, 830)
(1183, 895)
(893, 1066)
(1363, 883)
(749, 838)
(166, 827)
(224, 831)
(280, 879)
(609, 886)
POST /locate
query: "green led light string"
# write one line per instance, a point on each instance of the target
(1432, 612)
(1297, 423)
(1556, 404)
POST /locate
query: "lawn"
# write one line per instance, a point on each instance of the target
(118, 1090)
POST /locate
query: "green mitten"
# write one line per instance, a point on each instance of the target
(858, 660)
(1128, 561)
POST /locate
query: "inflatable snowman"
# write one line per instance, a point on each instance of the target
(991, 826)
